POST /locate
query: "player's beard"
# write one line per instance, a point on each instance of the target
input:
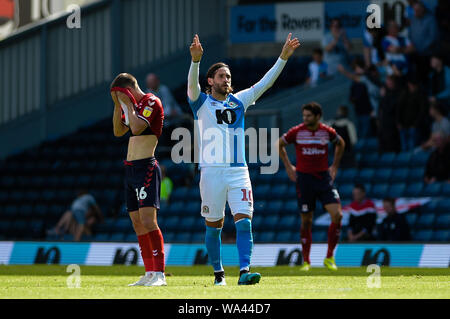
(222, 89)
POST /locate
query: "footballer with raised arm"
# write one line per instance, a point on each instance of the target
(314, 179)
(219, 121)
(143, 115)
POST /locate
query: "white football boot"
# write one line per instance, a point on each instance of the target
(158, 279)
(144, 280)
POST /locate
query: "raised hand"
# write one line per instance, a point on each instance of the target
(289, 47)
(196, 49)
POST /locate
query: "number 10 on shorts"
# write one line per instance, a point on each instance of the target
(141, 194)
(244, 195)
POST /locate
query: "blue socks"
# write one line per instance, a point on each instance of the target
(244, 242)
(214, 247)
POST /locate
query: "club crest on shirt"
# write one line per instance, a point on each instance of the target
(205, 210)
(147, 111)
(232, 104)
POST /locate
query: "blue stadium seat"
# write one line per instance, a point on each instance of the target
(402, 160)
(193, 208)
(131, 238)
(414, 190)
(419, 159)
(281, 177)
(382, 175)
(443, 205)
(365, 175)
(273, 207)
(283, 237)
(179, 193)
(168, 237)
(261, 192)
(411, 218)
(346, 175)
(280, 191)
(443, 221)
(10, 211)
(117, 237)
(182, 237)
(123, 225)
(260, 206)
(188, 223)
(397, 190)
(386, 160)
(319, 236)
(257, 220)
(379, 191)
(290, 207)
(176, 208)
(426, 220)
(345, 191)
(423, 235)
(171, 223)
(446, 189)
(264, 178)
(269, 222)
(288, 222)
(36, 228)
(193, 194)
(291, 192)
(101, 237)
(371, 145)
(441, 235)
(266, 237)
(369, 159)
(433, 189)
(400, 175)
(4, 226)
(198, 237)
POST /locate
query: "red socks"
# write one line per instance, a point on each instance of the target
(157, 246)
(333, 237)
(146, 251)
(152, 251)
(306, 240)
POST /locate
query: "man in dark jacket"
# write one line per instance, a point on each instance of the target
(394, 227)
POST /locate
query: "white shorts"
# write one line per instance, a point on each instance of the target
(219, 184)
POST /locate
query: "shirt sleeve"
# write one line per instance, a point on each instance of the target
(251, 95)
(333, 134)
(290, 136)
(151, 110)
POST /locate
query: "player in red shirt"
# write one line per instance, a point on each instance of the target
(143, 115)
(314, 179)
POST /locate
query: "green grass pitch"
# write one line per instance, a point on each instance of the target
(50, 281)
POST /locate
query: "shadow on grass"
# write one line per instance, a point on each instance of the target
(279, 271)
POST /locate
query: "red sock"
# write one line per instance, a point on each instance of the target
(333, 237)
(306, 240)
(157, 243)
(146, 251)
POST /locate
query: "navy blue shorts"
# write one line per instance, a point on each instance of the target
(142, 184)
(313, 187)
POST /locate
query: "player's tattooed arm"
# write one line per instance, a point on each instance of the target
(290, 169)
(339, 151)
(119, 128)
(137, 125)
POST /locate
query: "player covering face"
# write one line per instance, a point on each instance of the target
(141, 114)
(224, 173)
(313, 178)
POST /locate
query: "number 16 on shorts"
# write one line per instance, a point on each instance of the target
(141, 194)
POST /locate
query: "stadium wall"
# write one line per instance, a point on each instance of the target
(106, 254)
(55, 79)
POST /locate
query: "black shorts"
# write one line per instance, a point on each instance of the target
(312, 187)
(142, 184)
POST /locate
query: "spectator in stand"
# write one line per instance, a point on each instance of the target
(439, 81)
(83, 214)
(394, 226)
(388, 134)
(336, 46)
(440, 126)
(373, 49)
(166, 185)
(412, 108)
(363, 216)
(171, 107)
(345, 129)
(424, 35)
(442, 13)
(438, 164)
(396, 49)
(359, 96)
(317, 68)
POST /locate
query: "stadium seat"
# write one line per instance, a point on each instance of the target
(443, 221)
(433, 189)
(399, 175)
(101, 237)
(281, 177)
(414, 190)
(446, 189)
(386, 160)
(319, 236)
(283, 237)
(441, 235)
(280, 191)
(287, 222)
(182, 237)
(345, 191)
(193, 194)
(346, 175)
(106, 226)
(368, 159)
(423, 235)
(261, 192)
(198, 237)
(193, 208)
(371, 145)
(443, 205)
(382, 175)
(425, 221)
(4, 226)
(265, 178)
(290, 207)
(411, 218)
(176, 208)
(260, 206)
(269, 222)
(257, 220)
(365, 175)
(179, 193)
(419, 159)
(130, 238)
(168, 237)
(273, 207)
(123, 225)
(117, 237)
(397, 190)
(172, 224)
(379, 191)
(402, 160)
(266, 237)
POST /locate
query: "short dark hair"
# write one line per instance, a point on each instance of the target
(389, 200)
(313, 107)
(212, 72)
(318, 51)
(358, 62)
(360, 186)
(124, 80)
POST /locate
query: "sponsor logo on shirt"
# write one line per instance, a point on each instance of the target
(312, 151)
